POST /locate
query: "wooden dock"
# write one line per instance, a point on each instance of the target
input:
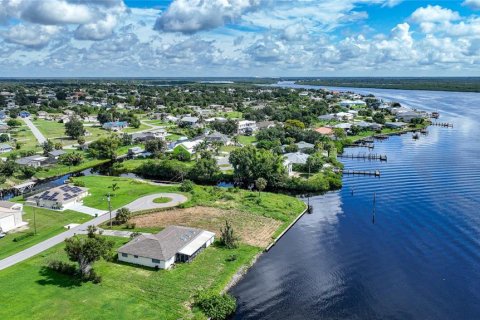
(442, 124)
(365, 156)
(361, 144)
(375, 173)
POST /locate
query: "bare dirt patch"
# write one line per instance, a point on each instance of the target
(251, 229)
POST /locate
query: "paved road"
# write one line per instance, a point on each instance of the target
(40, 137)
(144, 203)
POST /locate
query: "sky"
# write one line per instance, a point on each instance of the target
(227, 38)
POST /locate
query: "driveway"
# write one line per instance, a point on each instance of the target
(144, 203)
(87, 210)
(40, 137)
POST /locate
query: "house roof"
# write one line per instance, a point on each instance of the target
(59, 194)
(163, 245)
(297, 157)
(27, 160)
(56, 153)
(189, 119)
(304, 145)
(324, 130)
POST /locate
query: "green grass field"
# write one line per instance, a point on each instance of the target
(162, 200)
(129, 190)
(50, 129)
(246, 140)
(126, 292)
(49, 223)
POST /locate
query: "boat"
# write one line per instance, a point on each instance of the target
(415, 136)
(424, 131)
(435, 115)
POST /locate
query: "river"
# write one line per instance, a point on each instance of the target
(418, 258)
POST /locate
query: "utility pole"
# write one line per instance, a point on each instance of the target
(110, 209)
(34, 221)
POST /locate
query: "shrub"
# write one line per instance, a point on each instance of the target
(216, 306)
(63, 267)
(23, 236)
(78, 183)
(228, 238)
(231, 258)
(186, 186)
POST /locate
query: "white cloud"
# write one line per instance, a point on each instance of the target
(189, 16)
(57, 12)
(30, 36)
(99, 30)
(434, 14)
(472, 4)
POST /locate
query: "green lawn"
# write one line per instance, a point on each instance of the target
(162, 200)
(126, 292)
(25, 137)
(50, 129)
(246, 140)
(132, 129)
(49, 223)
(129, 190)
(60, 169)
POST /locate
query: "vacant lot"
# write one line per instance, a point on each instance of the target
(252, 229)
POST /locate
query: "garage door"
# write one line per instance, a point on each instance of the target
(7, 223)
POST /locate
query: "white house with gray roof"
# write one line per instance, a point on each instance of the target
(162, 250)
(58, 198)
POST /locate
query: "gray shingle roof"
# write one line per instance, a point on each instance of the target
(163, 245)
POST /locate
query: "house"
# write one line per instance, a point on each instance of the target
(265, 125)
(344, 116)
(42, 115)
(4, 128)
(149, 135)
(10, 216)
(302, 145)
(351, 103)
(171, 118)
(171, 245)
(32, 161)
(324, 131)
(58, 198)
(344, 126)
(138, 152)
(408, 116)
(297, 157)
(115, 126)
(4, 148)
(189, 145)
(217, 137)
(288, 167)
(24, 114)
(246, 127)
(54, 155)
(2, 115)
(189, 121)
(395, 125)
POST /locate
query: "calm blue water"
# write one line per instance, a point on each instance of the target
(421, 257)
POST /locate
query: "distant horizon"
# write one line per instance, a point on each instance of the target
(244, 77)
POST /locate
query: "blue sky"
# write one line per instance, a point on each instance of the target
(78, 38)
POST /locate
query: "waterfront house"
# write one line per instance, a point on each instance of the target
(408, 116)
(58, 198)
(217, 137)
(171, 245)
(395, 125)
(189, 145)
(344, 126)
(296, 157)
(54, 155)
(115, 126)
(344, 116)
(32, 161)
(10, 216)
(302, 145)
(352, 103)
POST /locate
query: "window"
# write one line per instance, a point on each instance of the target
(135, 256)
(155, 261)
(124, 255)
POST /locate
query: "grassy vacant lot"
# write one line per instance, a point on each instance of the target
(50, 129)
(128, 190)
(49, 223)
(126, 292)
(246, 140)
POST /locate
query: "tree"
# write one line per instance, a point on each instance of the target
(8, 168)
(227, 237)
(61, 95)
(28, 171)
(187, 186)
(379, 117)
(81, 141)
(123, 215)
(200, 147)
(104, 148)
(58, 146)
(127, 139)
(47, 146)
(14, 123)
(205, 169)
(74, 128)
(339, 133)
(228, 127)
(315, 162)
(295, 123)
(71, 158)
(260, 184)
(4, 137)
(250, 163)
(155, 146)
(85, 251)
